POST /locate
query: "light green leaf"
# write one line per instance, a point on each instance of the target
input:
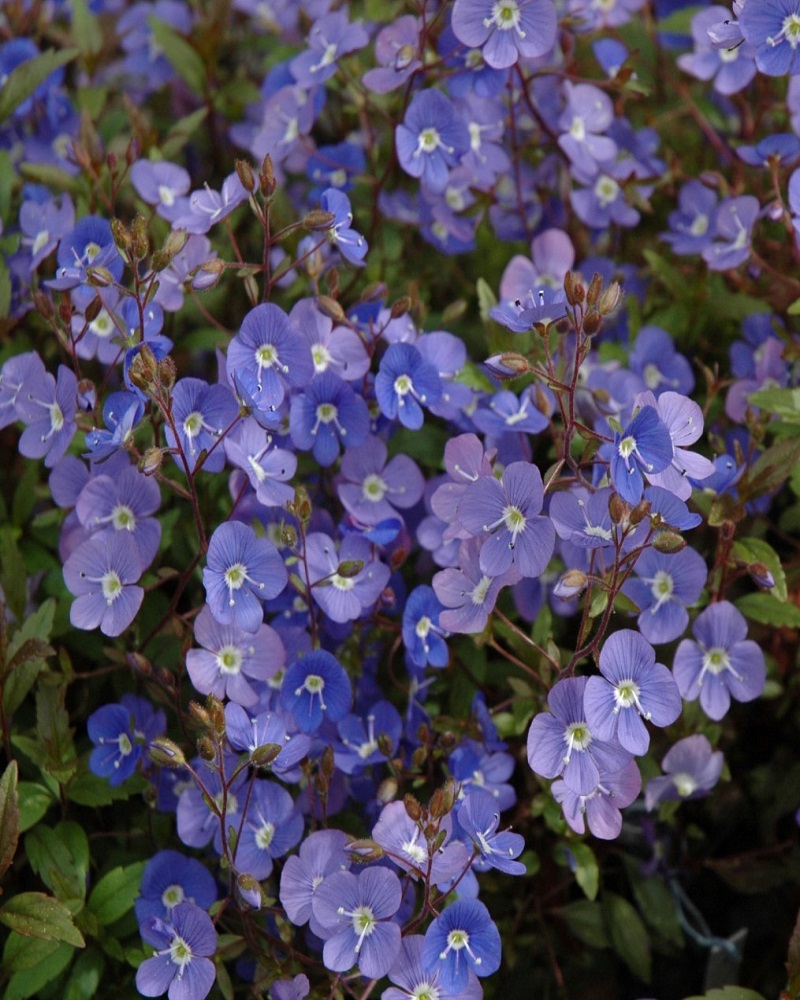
(756, 550)
(86, 29)
(26, 77)
(34, 801)
(34, 914)
(763, 608)
(114, 894)
(729, 993)
(85, 975)
(583, 865)
(486, 299)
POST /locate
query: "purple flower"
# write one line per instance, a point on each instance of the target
(602, 202)
(691, 769)
(48, 407)
(322, 854)
(589, 112)
(201, 414)
(415, 982)
(162, 184)
(123, 503)
(372, 489)
(478, 817)
(773, 27)
(206, 805)
(600, 809)
(15, 371)
(733, 223)
(661, 367)
(509, 511)
(644, 446)
(267, 468)
(355, 912)
(328, 414)
(241, 571)
(540, 307)
(350, 244)
(102, 573)
(43, 224)
(397, 52)
(405, 844)
(169, 879)
(269, 347)
(583, 519)
(330, 38)
(266, 730)
(505, 29)
(204, 208)
(431, 139)
(663, 587)
(731, 67)
(462, 940)
(182, 966)
(338, 349)
(90, 244)
(468, 594)
(232, 658)
(691, 226)
(722, 663)
(290, 989)
(344, 584)
(561, 743)
(316, 688)
(405, 383)
(633, 688)
(359, 737)
(423, 637)
(272, 826)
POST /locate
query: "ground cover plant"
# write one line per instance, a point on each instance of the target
(400, 501)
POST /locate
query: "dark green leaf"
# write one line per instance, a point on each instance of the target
(585, 919)
(52, 724)
(182, 132)
(25, 78)
(756, 550)
(60, 857)
(12, 571)
(9, 816)
(87, 789)
(22, 953)
(655, 903)
(771, 470)
(114, 894)
(31, 982)
(580, 859)
(33, 914)
(628, 935)
(34, 801)
(729, 993)
(85, 975)
(86, 29)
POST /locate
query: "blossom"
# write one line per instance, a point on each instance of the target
(633, 688)
(431, 139)
(467, 593)
(423, 637)
(478, 817)
(721, 663)
(644, 446)
(692, 224)
(265, 739)
(124, 502)
(331, 37)
(350, 244)
(182, 966)
(344, 584)
(663, 587)
(48, 406)
(462, 940)
(561, 743)
(272, 826)
(600, 809)
(733, 224)
(505, 29)
(773, 27)
(588, 113)
(412, 981)
(169, 879)
(359, 737)
(691, 769)
(268, 468)
(120, 733)
(102, 573)
(405, 844)
(405, 383)
(315, 688)
(241, 571)
(201, 414)
(508, 510)
(731, 67)
(321, 854)
(372, 488)
(327, 415)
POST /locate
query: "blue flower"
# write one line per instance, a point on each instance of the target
(120, 733)
(644, 446)
(405, 383)
(182, 965)
(350, 244)
(315, 688)
(461, 940)
(327, 414)
(479, 817)
(423, 638)
(431, 139)
(169, 879)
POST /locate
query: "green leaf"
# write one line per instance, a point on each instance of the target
(86, 30)
(114, 894)
(185, 59)
(783, 402)
(60, 857)
(583, 865)
(628, 935)
(22, 953)
(771, 469)
(763, 608)
(29, 983)
(12, 570)
(585, 919)
(5, 291)
(86, 975)
(34, 801)
(9, 816)
(52, 724)
(729, 993)
(655, 903)
(87, 789)
(26, 77)
(486, 298)
(756, 550)
(181, 133)
(34, 914)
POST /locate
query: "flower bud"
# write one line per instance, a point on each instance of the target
(140, 664)
(508, 365)
(761, 575)
(413, 808)
(249, 890)
(318, 220)
(574, 288)
(640, 511)
(166, 753)
(166, 372)
(87, 394)
(592, 322)
(121, 237)
(443, 799)
(151, 461)
(668, 542)
(618, 509)
(610, 299)
(570, 584)
(330, 308)
(99, 277)
(387, 790)
(264, 755)
(595, 288)
(365, 850)
(245, 174)
(44, 304)
(267, 177)
(206, 749)
(400, 307)
(140, 240)
(349, 568)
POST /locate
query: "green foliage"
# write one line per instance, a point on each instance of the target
(25, 78)
(114, 894)
(34, 914)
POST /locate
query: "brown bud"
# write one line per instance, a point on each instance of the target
(121, 237)
(140, 240)
(574, 288)
(216, 711)
(332, 282)
(327, 762)
(330, 308)
(92, 311)
(140, 664)
(143, 369)
(640, 511)
(166, 372)
(65, 309)
(400, 307)
(418, 757)
(199, 714)
(592, 322)
(443, 799)
(264, 755)
(44, 304)
(595, 288)
(245, 174)
(618, 509)
(413, 808)
(385, 744)
(99, 277)
(267, 177)
(387, 790)
(364, 850)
